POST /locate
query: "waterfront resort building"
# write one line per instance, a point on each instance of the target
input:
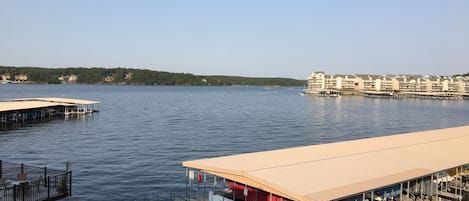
(418, 166)
(318, 81)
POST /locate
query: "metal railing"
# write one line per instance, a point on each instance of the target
(19, 182)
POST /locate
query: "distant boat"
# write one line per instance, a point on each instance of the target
(301, 93)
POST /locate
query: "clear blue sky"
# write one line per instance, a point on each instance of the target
(247, 38)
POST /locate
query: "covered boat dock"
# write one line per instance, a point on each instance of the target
(16, 110)
(426, 165)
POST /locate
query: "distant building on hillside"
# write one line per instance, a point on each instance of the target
(72, 78)
(21, 78)
(68, 78)
(6, 76)
(128, 76)
(108, 78)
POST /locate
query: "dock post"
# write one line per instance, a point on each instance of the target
(14, 192)
(372, 196)
(363, 197)
(22, 168)
(234, 189)
(214, 187)
(205, 184)
(198, 185)
(245, 192)
(408, 189)
(23, 189)
(45, 176)
(400, 193)
(431, 186)
(436, 193)
(187, 175)
(70, 183)
(190, 184)
(460, 183)
(421, 188)
(456, 193)
(48, 187)
(1, 169)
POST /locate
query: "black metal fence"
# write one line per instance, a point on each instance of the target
(19, 182)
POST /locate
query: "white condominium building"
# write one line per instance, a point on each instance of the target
(401, 83)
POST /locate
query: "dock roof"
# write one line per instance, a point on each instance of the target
(22, 105)
(33, 103)
(60, 100)
(336, 170)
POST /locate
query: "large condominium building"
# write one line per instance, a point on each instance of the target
(402, 83)
(453, 85)
(366, 82)
(409, 84)
(316, 80)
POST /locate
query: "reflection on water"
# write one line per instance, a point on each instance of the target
(135, 145)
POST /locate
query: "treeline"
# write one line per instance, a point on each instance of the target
(132, 77)
(463, 75)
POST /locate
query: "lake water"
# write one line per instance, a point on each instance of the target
(135, 145)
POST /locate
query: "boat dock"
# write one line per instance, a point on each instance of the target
(378, 94)
(328, 93)
(419, 95)
(417, 166)
(17, 110)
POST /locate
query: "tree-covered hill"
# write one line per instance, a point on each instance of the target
(130, 76)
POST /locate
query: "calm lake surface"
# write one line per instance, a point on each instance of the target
(135, 145)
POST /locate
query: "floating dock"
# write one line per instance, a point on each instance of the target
(378, 94)
(16, 110)
(328, 93)
(419, 95)
(427, 165)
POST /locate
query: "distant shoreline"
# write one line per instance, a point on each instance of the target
(127, 76)
(117, 84)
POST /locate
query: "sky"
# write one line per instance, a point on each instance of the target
(243, 37)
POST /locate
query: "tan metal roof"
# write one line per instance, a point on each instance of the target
(335, 170)
(21, 105)
(60, 100)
